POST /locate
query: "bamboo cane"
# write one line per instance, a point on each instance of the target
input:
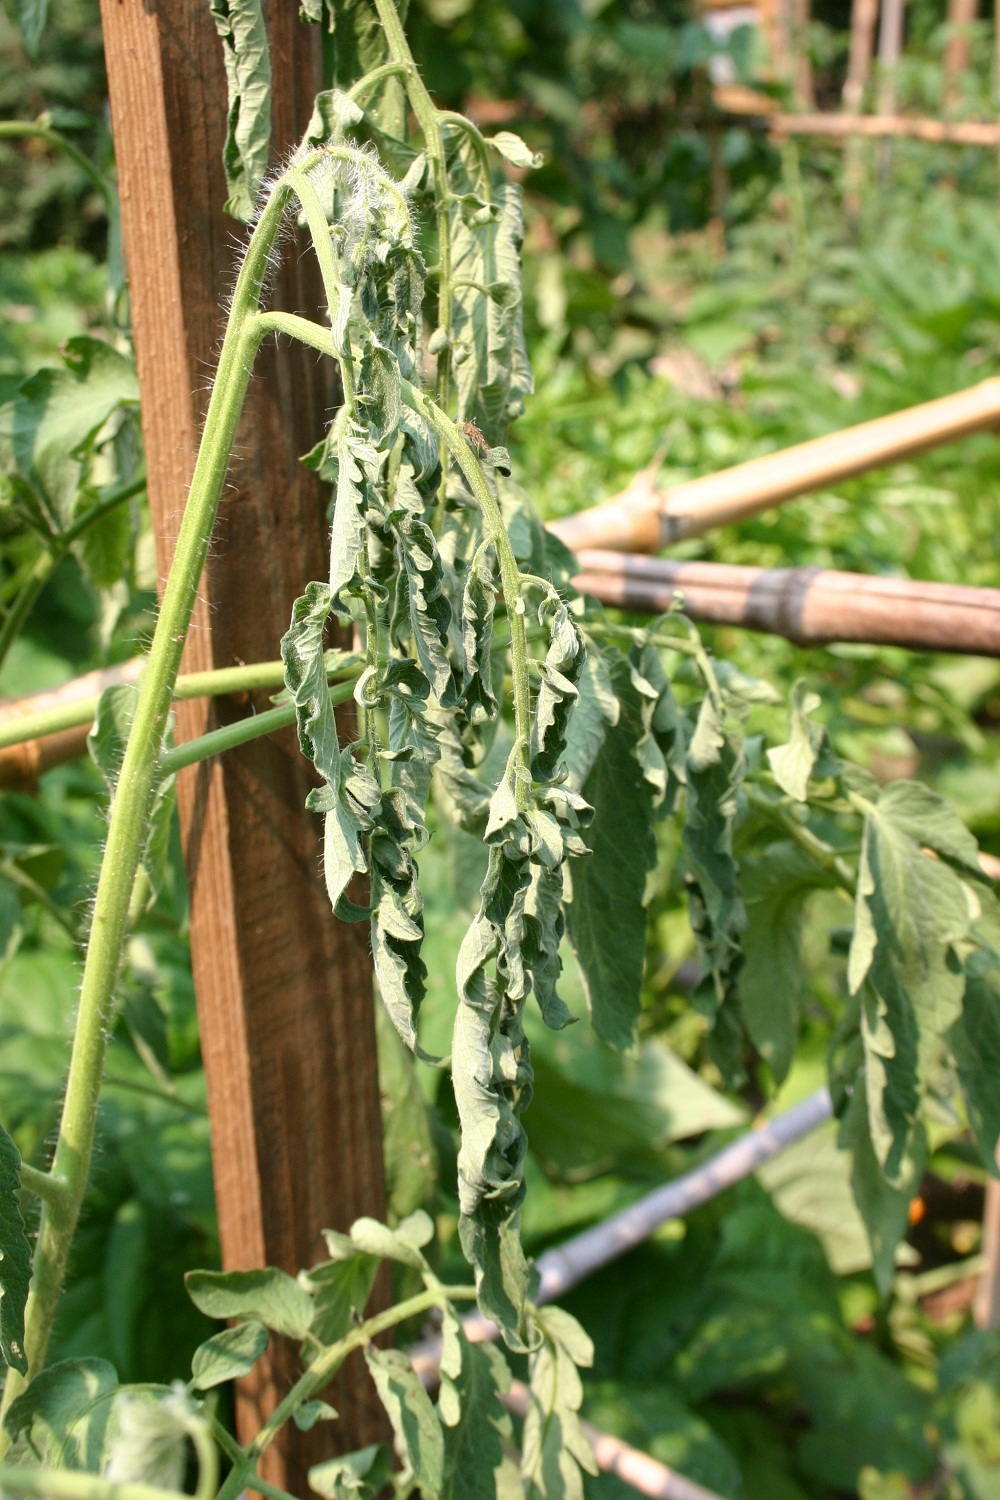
(644, 518)
(810, 606)
(940, 132)
(647, 1476)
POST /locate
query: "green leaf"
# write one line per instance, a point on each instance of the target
(106, 743)
(105, 546)
(910, 912)
(476, 1423)
(975, 1044)
(884, 1206)
(554, 1448)
(607, 915)
(341, 1288)
(792, 764)
(493, 376)
(240, 24)
(271, 1296)
(309, 1413)
(418, 1436)
(31, 18)
(56, 415)
(15, 1258)
(357, 1476)
(228, 1355)
(514, 150)
(411, 1162)
(53, 1418)
(403, 1244)
(776, 885)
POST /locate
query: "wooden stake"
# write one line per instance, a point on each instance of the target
(961, 17)
(644, 518)
(736, 99)
(810, 606)
(284, 991)
(986, 1307)
(864, 14)
(890, 47)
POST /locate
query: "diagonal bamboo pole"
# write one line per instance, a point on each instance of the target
(644, 518)
(810, 606)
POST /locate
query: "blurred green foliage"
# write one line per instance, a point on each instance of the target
(748, 1346)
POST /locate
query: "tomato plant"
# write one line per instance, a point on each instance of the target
(492, 701)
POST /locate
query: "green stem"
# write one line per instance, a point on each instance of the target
(826, 857)
(430, 124)
(231, 736)
(510, 573)
(42, 1184)
(134, 1086)
(44, 132)
(319, 1373)
(262, 676)
(133, 796)
(370, 80)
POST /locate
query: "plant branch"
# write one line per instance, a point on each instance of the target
(231, 736)
(133, 796)
(825, 856)
(42, 1184)
(430, 123)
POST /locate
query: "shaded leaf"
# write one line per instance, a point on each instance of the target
(270, 1296)
(418, 1435)
(15, 1257)
(228, 1355)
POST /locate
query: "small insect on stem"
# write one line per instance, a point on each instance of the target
(475, 436)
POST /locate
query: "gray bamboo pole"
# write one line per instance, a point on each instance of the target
(810, 606)
(644, 518)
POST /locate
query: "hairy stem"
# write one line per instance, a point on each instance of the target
(430, 123)
(257, 676)
(322, 1370)
(133, 796)
(231, 736)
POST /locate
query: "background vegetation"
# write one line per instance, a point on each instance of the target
(668, 324)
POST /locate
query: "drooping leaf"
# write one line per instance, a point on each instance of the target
(272, 1297)
(975, 1043)
(554, 1448)
(404, 1243)
(419, 1439)
(493, 375)
(105, 546)
(357, 1476)
(792, 764)
(15, 1258)
(911, 911)
(884, 1206)
(476, 1424)
(240, 24)
(776, 885)
(411, 1158)
(228, 1355)
(607, 915)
